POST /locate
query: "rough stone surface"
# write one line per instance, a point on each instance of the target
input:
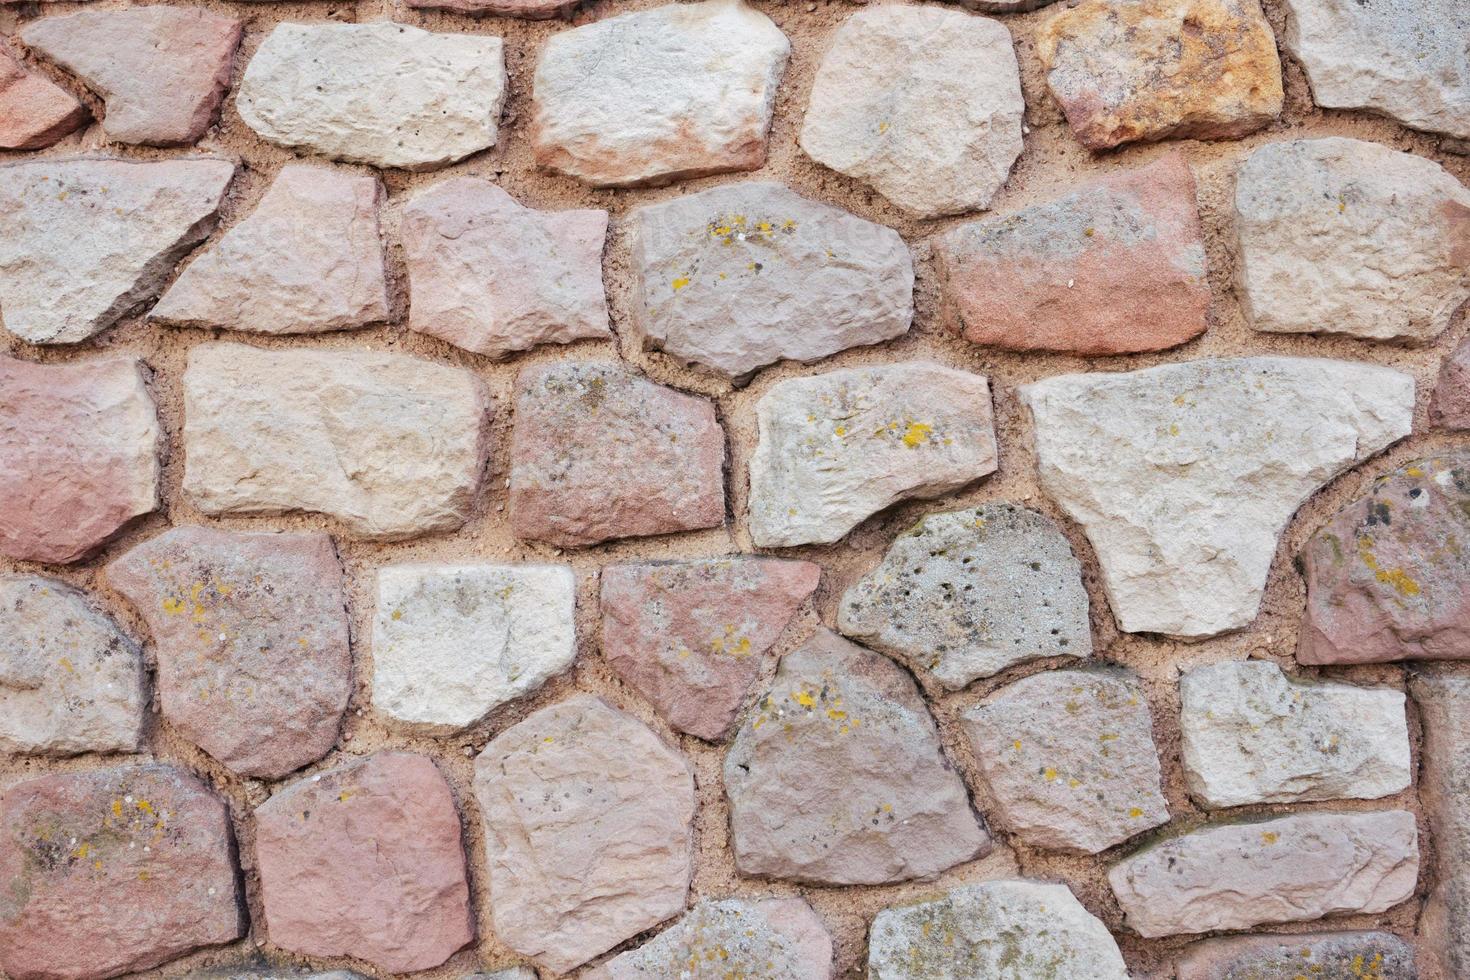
(34, 112)
(1293, 869)
(494, 277)
(1366, 955)
(837, 777)
(836, 448)
(690, 636)
(587, 831)
(1450, 406)
(1183, 475)
(527, 9)
(652, 96)
(390, 445)
(251, 637)
(384, 94)
(600, 452)
(1444, 790)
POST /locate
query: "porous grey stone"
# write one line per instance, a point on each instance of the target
(1315, 956)
(1443, 697)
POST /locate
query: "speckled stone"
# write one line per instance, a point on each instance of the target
(1325, 955)
(527, 9)
(1443, 699)
(34, 111)
(1449, 408)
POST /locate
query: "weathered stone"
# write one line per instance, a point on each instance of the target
(743, 275)
(836, 448)
(837, 776)
(1450, 406)
(494, 277)
(390, 445)
(1444, 791)
(528, 9)
(690, 636)
(652, 96)
(514, 973)
(1183, 475)
(1116, 267)
(1369, 955)
(587, 831)
(1001, 6)
(600, 452)
(1126, 70)
(258, 969)
(34, 112)
(113, 871)
(1294, 869)
(78, 455)
(385, 94)
(251, 637)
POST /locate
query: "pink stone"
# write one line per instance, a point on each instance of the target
(1450, 406)
(1320, 956)
(526, 9)
(1444, 709)
(34, 112)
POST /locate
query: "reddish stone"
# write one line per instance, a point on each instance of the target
(1444, 791)
(1319, 956)
(527, 9)
(34, 113)
(1450, 406)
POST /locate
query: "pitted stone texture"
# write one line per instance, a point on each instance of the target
(1127, 70)
(658, 95)
(494, 277)
(1294, 869)
(1116, 267)
(266, 972)
(383, 94)
(1450, 406)
(690, 636)
(250, 633)
(161, 71)
(112, 871)
(1370, 955)
(836, 448)
(88, 240)
(1183, 475)
(34, 112)
(391, 446)
(527, 9)
(70, 680)
(1068, 756)
(306, 260)
(587, 831)
(1444, 791)
(600, 452)
(837, 777)
(514, 973)
(78, 455)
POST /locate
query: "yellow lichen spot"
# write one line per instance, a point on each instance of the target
(840, 431)
(397, 614)
(1016, 745)
(680, 283)
(1073, 782)
(344, 796)
(1089, 232)
(1049, 774)
(1414, 471)
(549, 739)
(117, 808)
(82, 850)
(142, 876)
(97, 865)
(146, 807)
(1135, 813)
(883, 127)
(918, 433)
(803, 698)
(66, 662)
(173, 605)
(836, 715)
(1270, 836)
(1174, 428)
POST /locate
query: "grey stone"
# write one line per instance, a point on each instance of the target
(1443, 697)
(1318, 956)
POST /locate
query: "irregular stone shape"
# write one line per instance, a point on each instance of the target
(1002, 6)
(1294, 869)
(923, 104)
(746, 274)
(306, 260)
(251, 637)
(390, 445)
(1450, 406)
(494, 277)
(1116, 267)
(1183, 475)
(80, 447)
(34, 112)
(514, 973)
(653, 96)
(258, 969)
(837, 776)
(384, 94)
(365, 860)
(1127, 70)
(968, 593)
(690, 636)
(123, 223)
(527, 9)
(587, 831)
(1444, 792)
(600, 452)
(111, 871)
(836, 448)
(1371, 955)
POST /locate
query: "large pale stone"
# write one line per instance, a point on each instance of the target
(1444, 791)
(34, 111)
(528, 9)
(1450, 406)
(1300, 956)
(1183, 475)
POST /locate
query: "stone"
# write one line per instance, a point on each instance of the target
(124, 223)
(514, 973)
(691, 636)
(1449, 408)
(1129, 70)
(600, 452)
(837, 776)
(747, 274)
(384, 94)
(392, 446)
(34, 111)
(251, 637)
(493, 277)
(1371, 955)
(451, 642)
(653, 96)
(111, 871)
(71, 681)
(588, 831)
(838, 447)
(527, 9)
(161, 71)
(966, 594)
(262, 971)
(1069, 758)
(1293, 869)
(1115, 267)
(1183, 475)
(365, 860)
(1443, 699)
(308, 259)
(1342, 236)
(921, 103)
(79, 443)
(1002, 6)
